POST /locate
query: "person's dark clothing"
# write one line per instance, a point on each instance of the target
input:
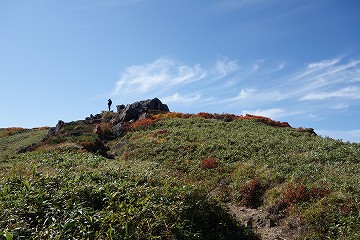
(109, 104)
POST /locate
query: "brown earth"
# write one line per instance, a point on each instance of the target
(267, 225)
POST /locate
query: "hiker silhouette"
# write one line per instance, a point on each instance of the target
(109, 104)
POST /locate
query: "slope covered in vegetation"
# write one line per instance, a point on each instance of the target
(174, 176)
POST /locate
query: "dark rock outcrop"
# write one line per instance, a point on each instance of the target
(120, 107)
(155, 105)
(117, 130)
(133, 111)
(60, 125)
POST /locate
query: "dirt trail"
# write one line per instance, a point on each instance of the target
(269, 227)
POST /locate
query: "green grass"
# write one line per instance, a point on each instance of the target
(276, 157)
(80, 195)
(12, 141)
(171, 180)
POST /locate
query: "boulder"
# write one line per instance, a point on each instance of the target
(133, 111)
(117, 130)
(155, 104)
(60, 125)
(129, 113)
(93, 119)
(120, 107)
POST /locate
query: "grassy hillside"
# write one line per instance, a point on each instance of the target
(173, 176)
(14, 139)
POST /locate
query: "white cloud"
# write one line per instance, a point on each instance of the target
(224, 66)
(314, 68)
(257, 65)
(188, 74)
(226, 86)
(163, 73)
(244, 93)
(323, 64)
(252, 97)
(270, 113)
(352, 92)
(178, 98)
(324, 80)
(343, 107)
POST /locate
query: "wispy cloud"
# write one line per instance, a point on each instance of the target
(270, 113)
(224, 66)
(352, 92)
(343, 107)
(243, 94)
(327, 73)
(161, 74)
(252, 96)
(177, 97)
(231, 86)
(322, 64)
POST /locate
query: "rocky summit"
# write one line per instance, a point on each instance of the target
(129, 113)
(133, 112)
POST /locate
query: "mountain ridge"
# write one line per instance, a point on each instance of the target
(178, 176)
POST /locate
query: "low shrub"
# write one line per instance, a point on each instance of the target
(333, 217)
(251, 194)
(298, 193)
(265, 120)
(209, 163)
(141, 124)
(10, 131)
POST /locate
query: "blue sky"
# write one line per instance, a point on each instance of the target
(290, 60)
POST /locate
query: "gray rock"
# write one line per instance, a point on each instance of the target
(120, 107)
(155, 104)
(117, 130)
(129, 113)
(60, 125)
(134, 110)
(143, 116)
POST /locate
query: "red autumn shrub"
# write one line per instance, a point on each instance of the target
(142, 123)
(317, 193)
(11, 131)
(298, 193)
(227, 117)
(209, 163)
(224, 116)
(204, 115)
(251, 194)
(265, 120)
(174, 115)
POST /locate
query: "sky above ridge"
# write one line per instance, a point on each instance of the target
(291, 60)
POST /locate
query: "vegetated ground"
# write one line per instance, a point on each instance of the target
(179, 176)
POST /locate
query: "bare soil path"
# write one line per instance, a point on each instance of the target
(268, 226)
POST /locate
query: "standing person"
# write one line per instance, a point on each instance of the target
(109, 104)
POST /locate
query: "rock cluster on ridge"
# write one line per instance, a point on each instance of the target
(132, 112)
(129, 113)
